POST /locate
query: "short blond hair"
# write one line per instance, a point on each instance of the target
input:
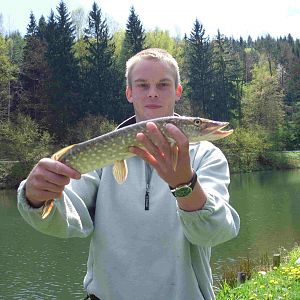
(156, 54)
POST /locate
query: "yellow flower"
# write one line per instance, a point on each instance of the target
(262, 286)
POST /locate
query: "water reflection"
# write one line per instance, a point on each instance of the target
(269, 206)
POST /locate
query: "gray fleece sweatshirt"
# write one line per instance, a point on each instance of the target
(157, 253)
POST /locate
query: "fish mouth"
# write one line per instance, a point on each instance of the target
(213, 130)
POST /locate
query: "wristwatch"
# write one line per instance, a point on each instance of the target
(183, 190)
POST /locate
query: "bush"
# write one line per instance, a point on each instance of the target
(88, 128)
(245, 148)
(22, 141)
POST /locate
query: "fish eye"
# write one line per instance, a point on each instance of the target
(197, 122)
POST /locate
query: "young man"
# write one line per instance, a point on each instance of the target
(146, 242)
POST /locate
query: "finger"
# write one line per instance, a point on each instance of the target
(59, 168)
(51, 187)
(149, 145)
(177, 135)
(157, 138)
(145, 155)
(54, 178)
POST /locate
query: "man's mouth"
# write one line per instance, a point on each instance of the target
(153, 106)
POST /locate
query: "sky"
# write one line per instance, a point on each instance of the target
(234, 18)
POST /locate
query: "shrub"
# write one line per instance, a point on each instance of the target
(245, 148)
(89, 127)
(24, 142)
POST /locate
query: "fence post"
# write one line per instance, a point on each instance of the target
(241, 277)
(276, 260)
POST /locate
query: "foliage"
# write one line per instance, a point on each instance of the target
(245, 148)
(263, 100)
(65, 70)
(8, 74)
(23, 141)
(89, 127)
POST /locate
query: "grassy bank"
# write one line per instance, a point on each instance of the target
(267, 282)
(248, 162)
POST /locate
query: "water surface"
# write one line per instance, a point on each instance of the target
(36, 266)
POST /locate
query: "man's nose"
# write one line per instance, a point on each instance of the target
(152, 93)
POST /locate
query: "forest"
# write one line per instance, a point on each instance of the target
(64, 82)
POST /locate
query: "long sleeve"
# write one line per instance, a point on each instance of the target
(217, 221)
(71, 215)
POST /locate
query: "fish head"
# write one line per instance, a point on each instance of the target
(200, 129)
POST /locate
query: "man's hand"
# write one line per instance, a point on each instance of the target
(158, 153)
(47, 181)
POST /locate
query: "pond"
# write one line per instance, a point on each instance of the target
(36, 266)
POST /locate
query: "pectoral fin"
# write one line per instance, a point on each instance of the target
(120, 171)
(47, 208)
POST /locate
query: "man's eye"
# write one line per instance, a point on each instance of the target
(163, 84)
(142, 85)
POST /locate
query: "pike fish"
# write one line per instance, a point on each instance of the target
(112, 148)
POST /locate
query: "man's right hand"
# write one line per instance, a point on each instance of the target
(47, 180)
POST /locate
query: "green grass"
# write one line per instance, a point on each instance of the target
(274, 284)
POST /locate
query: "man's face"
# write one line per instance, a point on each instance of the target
(153, 92)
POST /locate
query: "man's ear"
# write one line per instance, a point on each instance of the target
(129, 94)
(178, 92)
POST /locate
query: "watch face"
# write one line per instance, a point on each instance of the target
(183, 191)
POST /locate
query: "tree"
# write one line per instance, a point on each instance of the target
(8, 75)
(134, 36)
(63, 89)
(198, 70)
(32, 27)
(225, 101)
(34, 76)
(79, 19)
(42, 27)
(263, 100)
(100, 82)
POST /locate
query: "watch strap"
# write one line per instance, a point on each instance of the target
(190, 184)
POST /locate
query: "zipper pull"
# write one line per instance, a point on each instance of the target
(147, 197)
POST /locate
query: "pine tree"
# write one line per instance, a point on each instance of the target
(227, 75)
(63, 86)
(134, 36)
(99, 74)
(198, 70)
(32, 27)
(42, 27)
(34, 76)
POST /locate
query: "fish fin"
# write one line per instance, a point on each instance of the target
(48, 205)
(120, 171)
(174, 155)
(57, 155)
